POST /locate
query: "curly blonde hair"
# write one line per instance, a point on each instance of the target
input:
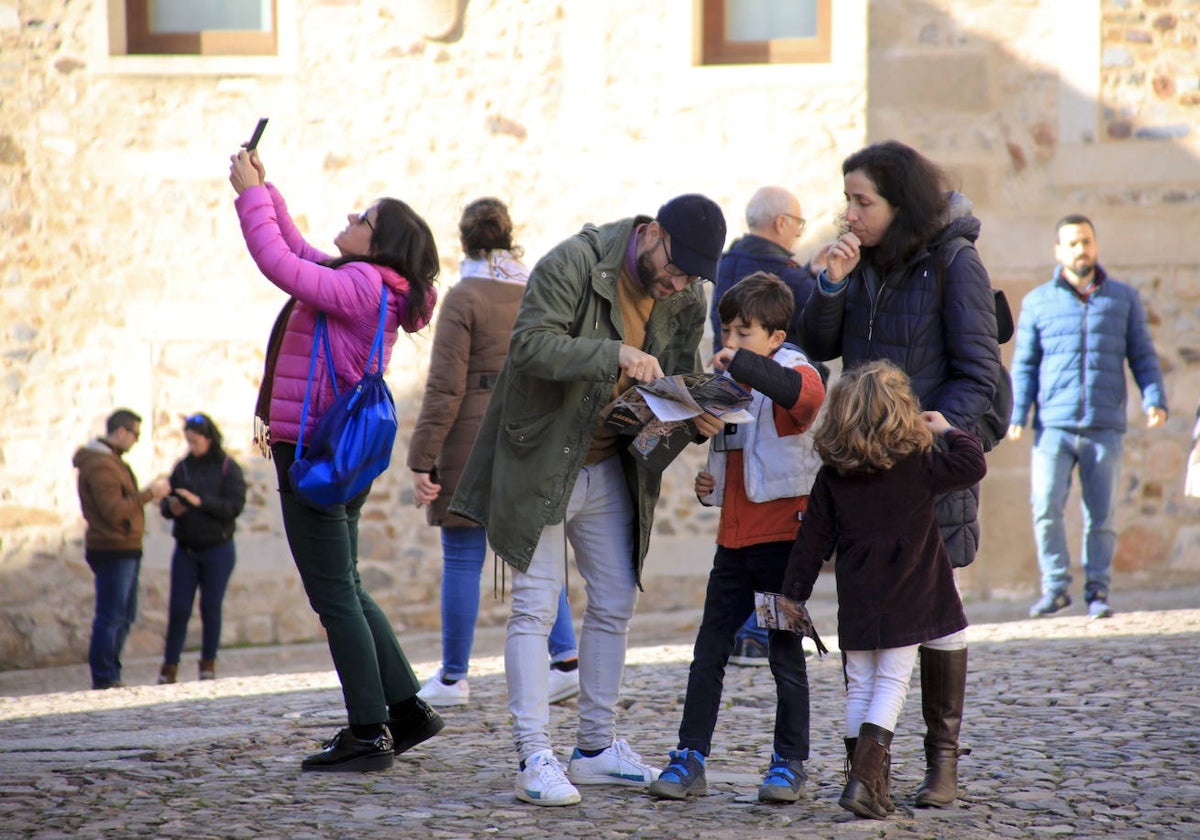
(871, 420)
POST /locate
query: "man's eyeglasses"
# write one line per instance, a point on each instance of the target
(673, 269)
(799, 220)
(363, 220)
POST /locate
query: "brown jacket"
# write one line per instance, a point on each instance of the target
(111, 502)
(894, 580)
(470, 344)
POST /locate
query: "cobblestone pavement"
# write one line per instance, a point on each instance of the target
(1077, 729)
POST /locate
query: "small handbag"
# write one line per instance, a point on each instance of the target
(351, 444)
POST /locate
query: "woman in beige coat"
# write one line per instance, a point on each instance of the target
(469, 347)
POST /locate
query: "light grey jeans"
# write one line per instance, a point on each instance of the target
(599, 526)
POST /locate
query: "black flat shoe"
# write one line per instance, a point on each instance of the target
(345, 753)
(419, 722)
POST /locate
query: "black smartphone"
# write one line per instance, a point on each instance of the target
(258, 130)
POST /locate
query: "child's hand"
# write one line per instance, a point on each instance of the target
(721, 361)
(705, 483)
(936, 422)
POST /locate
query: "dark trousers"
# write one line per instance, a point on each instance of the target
(207, 570)
(116, 609)
(370, 663)
(736, 574)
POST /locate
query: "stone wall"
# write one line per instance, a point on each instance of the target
(123, 279)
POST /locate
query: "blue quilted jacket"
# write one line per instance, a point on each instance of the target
(1069, 362)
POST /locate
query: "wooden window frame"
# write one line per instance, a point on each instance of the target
(715, 49)
(141, 41)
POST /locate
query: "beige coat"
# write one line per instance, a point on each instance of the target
(469, 346)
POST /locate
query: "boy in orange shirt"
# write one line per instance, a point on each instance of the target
(759, 473)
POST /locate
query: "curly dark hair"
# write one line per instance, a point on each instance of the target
(871, 419)
(486, 226)
(916, 187)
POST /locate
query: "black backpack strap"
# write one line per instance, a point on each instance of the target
(942, 258)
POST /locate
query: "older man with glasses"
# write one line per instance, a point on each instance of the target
(613, 305)
(112, 506)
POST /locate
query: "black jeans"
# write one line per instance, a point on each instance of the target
(736, 574)
(370, 663)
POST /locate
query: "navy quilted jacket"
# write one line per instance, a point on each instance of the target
(1069, 362)
(945, 341)
(947, 347)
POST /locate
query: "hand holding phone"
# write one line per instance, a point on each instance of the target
(258, 131)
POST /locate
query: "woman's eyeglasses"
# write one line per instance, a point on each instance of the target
(363, 220)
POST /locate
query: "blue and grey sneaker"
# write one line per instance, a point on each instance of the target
(683, 777)
(1099, 608)
(784, 782)
(1049, 603)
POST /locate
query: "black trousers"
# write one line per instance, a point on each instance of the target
(736, 574)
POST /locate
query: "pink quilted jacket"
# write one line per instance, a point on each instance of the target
(349, 297)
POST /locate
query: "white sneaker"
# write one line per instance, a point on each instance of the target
(617, 765)
(563, 684)
(437, 693)
(543, 782)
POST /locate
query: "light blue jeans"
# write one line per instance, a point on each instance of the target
(464, 551)
(1097, 456)
(599, 526)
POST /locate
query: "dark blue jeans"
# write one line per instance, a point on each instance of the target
(207, 570)
(736, 574)
(116, 609)
(370, 663)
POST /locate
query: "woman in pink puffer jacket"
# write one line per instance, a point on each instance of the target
(387, 244)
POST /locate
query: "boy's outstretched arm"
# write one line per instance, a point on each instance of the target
(797, 391)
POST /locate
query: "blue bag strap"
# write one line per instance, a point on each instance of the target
(321, 337)
(312, 369)
(376, 356)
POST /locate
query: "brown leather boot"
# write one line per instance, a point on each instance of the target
(208, 669)
(168, 673)
(943, 691)
(866, 794)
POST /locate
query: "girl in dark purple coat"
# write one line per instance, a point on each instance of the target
(873, 505)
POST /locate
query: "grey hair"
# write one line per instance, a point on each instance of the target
(767, 204)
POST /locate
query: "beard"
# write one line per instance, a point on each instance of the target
(647, 276)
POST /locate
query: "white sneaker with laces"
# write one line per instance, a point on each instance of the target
(437, 693)
(563, 684)
(617, 765)
(543, 782)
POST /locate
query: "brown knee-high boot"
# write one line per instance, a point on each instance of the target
(943, 690)
(866, 794)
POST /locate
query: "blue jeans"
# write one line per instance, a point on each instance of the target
(464, 551)
(1097, 456)
(208, 570)
(116, 609)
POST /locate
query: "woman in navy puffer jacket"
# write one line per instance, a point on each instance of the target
(879, 298)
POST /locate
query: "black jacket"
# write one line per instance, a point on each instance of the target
(222, 490)
(754, 253)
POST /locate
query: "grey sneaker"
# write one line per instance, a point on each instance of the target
(1099, 608)
(784, 781)
(681, 778)
(1050, 603)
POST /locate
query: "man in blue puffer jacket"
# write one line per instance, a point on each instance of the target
(1073, 338)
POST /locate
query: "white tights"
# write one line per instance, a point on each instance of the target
(877, 681)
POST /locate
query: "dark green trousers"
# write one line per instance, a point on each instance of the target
(370, 663)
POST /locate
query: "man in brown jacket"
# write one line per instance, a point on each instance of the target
(112, 507)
